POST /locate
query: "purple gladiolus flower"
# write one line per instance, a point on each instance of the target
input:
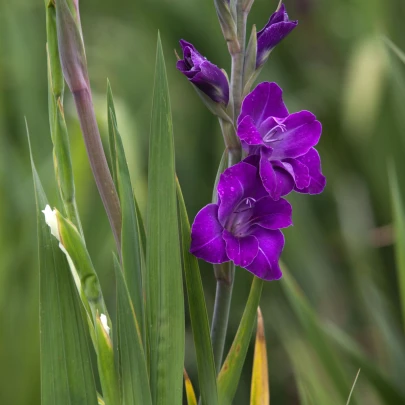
(208, 77)
(276, 29)
(244, 226)
(280, 144)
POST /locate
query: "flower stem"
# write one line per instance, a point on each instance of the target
(225, 273)
(225, 276)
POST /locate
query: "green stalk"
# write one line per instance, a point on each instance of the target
(225, 273)
(59, 134)
(74, 66)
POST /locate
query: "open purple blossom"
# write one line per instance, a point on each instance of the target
(208, 77)
(244, 226)
(276, 29)
(280, 145)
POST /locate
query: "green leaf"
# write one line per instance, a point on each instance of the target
(315, 335)
(399, 227)
(131, 251)
(66, 372)
(198, 312)
(229, 376)
(134, 372)
(165, 306)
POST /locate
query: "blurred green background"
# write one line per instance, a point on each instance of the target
(334, 64)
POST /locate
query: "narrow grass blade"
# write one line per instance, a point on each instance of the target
(131, 250)
(229, 376)
(354, 384)
(66, 372)
(134, 373)
(164, 279)
(198, 312)
(315, 335)
(260, 391)
(190, 394)
(399, 227)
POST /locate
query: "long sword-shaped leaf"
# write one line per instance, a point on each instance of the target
(399, 225)
(131, 250)
(260, 392)
(66, 373)
(231, 371)
(164, 279)
(134, 372)
(198, 313)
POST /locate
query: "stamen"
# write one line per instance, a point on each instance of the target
(268, 137)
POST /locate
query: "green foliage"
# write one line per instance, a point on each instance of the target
(228, 378)
(131, 242)
(198, 312)
(134, 373)
(66, 373)
(165, 308)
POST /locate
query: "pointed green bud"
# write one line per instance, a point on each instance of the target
(250, 72)
(228, 24)
(247, 5)
(105, 361)
(72, 244)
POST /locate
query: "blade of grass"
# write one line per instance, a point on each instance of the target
(198, 312)
(229, 376)
(260, 391)
(134, 372)
(131, 251)
(354, 384)
(164, 286)
(66, 372)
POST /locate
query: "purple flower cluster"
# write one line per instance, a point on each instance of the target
(244, 226)
(210, 79)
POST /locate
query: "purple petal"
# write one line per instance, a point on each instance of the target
(241, 251)
(317, 180)
(266, 100)
(184, 44)
(276, 180)
(265, 265)
(299, 172)
(272, 214)
(248, 132)
(238, 182)
(208, 77)
(206, 236)
(302, 132)
(269, 37)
